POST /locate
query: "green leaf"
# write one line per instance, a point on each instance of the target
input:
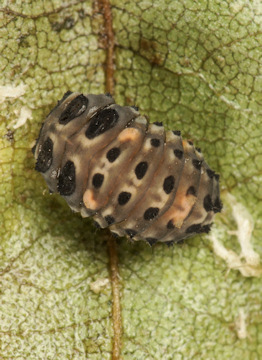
(197, 67)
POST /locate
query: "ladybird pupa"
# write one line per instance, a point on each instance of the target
(109, 162)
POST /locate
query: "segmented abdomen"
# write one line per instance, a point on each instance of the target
(108, 162)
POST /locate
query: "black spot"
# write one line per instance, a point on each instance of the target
(131, 232)
(108, 95)
(158, 123)
(208, 203)
(191, 191)
(169, 184)
(190, 142)
(97, 180)
(151, 241)
(169, 243)
(109, 219)
(45, 156)
(124, 197)
(210, 173)
(170, 225)
(217, 176)
(155, 142)
(135, 108)
(96, 225)
(101, 122)
(217, 205)
(66, 180)
(177, 132)
(141, 169)
(113, 154)
(197, 163)
(115, 235)
(178, 153)
(196, 228)
(198, 149)
(206, 228)
(74, 109)
(151, 213)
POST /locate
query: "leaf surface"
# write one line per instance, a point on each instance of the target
(195, 66)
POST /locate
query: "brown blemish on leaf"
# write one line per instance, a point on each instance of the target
(149, 49)
(9, 135)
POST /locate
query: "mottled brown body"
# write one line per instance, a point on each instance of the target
(108, 162)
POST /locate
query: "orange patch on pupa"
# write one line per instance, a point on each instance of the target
(186, 144)
(89, 200)
(129, 134)
(181, 209)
